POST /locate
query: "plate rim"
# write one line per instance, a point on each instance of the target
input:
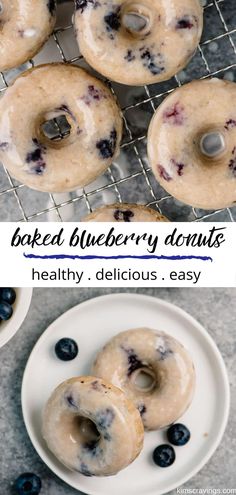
(23, 302)
(167, 304)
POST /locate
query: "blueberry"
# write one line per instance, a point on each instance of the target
(123, 215)
(107, 147)
(142, 409)
(4, 145)
(34, 156)
(129, 56)
(134, 362)
(51, 6)
(83, 4)
(85, 470)
(5, 310)
(112, 21)
(178, 434)
(164, 455)
(149, 61)
(105, 418)
(66, 349)
(228, 125)
(28, 483)
(8, 295)
(185, 23)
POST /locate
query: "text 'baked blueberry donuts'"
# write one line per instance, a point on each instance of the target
(24, 28)
(192, 144)
(121, 212)
(91, 427)
(95, 126)
(153, 369)
(138, 42)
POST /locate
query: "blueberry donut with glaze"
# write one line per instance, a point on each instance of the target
(153, 369)
(124, 212)
(192, 144)
(45, 93)
(25, 26)
(138, 42)
(92, 427)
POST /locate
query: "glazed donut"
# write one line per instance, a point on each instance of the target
(50, 91)
(153, 369)
(91, 427)
(124, 212)
(138, 42)
(192, 144)
(25, 26)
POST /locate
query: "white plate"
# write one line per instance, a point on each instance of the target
(20, 309)
(91, 324)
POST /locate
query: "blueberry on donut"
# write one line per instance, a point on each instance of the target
(24, 28)
(56, 91)
(122, 212)
(153, 369)
(192, 144)
(91, 427)
(138, 42)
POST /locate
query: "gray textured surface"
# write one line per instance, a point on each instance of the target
(214, 308)
(138, 103)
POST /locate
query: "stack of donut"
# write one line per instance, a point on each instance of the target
(142, 378)
(191, 139)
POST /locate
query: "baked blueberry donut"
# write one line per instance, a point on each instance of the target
(192, 144)
(24, 28)
(124, 212)
(42, 94)
(153, 369)
(138, 42)
(91, 427)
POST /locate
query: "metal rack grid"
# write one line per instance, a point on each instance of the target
(130, 178)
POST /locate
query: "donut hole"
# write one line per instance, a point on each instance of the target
(144, 379)
(1, 8)
(56, 129)
(212, 144)
(85, 431)
(136, 19)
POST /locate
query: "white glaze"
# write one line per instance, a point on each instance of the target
(166, 359)
(174, 144)
(135, 57)
(25, 25)
(66, 427)
(50, 91)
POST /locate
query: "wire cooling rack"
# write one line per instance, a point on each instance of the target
(130, 178)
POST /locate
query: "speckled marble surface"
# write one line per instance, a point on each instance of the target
(214, 308)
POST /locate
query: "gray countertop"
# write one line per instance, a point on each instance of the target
(214, 308)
